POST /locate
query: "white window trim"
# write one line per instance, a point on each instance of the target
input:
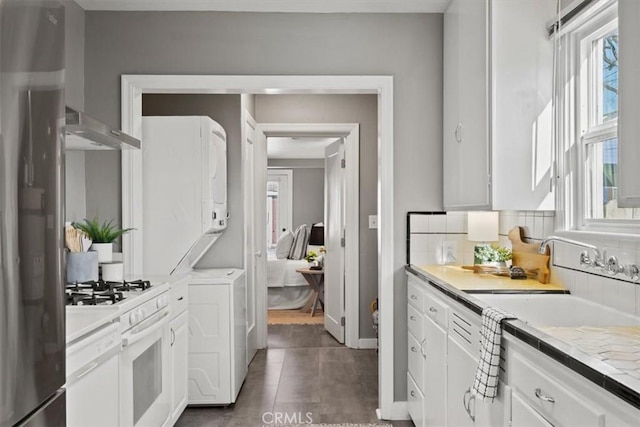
(571, 149)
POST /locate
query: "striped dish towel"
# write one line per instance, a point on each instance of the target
(485, 383)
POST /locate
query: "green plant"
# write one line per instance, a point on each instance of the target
(311, 256)
(485, 253)
(100, 233)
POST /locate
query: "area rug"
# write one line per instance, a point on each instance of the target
(294, 317)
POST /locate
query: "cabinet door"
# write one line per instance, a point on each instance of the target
(451, 118)
(467, 155)
(523, 415)
(434, 351)
(461, 368)
(179, 355)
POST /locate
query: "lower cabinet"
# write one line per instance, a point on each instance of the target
(179, 353)
(460, 372)
(435, 373)
(523, 414)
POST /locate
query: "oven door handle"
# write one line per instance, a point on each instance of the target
(147, 327)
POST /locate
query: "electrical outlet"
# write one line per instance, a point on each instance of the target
(373, 222)
(449, 250)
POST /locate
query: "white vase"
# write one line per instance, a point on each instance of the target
(105, 251)
(112, 272)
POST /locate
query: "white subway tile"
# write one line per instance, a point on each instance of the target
(626, 297)
(580, 284)
(419, 223)
(549, 225)
(421, 258)
(419, 242)
(455, 222)
(538, 227)
(610, 291)
(596, 291)
(438, 224)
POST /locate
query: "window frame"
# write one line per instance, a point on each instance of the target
(578, 118)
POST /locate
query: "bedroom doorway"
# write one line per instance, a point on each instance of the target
(297, 188)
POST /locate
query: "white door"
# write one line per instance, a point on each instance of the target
(255, 166)
(334, 233)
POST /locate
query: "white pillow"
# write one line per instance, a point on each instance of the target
(299, 247)
(284, 245)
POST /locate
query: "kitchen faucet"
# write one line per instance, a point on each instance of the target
(610, 265)
(598, 262)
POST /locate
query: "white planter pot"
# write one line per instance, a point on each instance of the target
(105, 251)
(113, 272)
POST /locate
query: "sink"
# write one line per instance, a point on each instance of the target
(558, 310)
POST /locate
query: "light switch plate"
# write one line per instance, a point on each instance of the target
(373, 222)
(449, 250)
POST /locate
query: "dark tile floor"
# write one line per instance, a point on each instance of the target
(303, 374)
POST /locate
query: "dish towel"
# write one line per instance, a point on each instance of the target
(485, 383)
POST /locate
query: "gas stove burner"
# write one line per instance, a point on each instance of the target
(94, 298)
(96, 292)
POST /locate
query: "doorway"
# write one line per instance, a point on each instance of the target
(133, 86)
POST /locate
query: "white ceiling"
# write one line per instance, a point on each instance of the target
(297, 148)
(303, 6)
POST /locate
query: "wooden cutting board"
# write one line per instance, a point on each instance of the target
(526, 255)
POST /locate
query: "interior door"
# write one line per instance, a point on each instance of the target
(279, 204)
(255, 165)
(334, 233)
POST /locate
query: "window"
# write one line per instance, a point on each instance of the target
(596, 113)
(279, 204)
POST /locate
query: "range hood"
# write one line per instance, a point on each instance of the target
(86, 133)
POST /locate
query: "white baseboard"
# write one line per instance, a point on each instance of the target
(368, 343)
(399, 412)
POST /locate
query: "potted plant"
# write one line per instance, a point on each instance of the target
(102, 236)
(493, 255)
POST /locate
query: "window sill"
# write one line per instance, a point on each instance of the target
(631, 234)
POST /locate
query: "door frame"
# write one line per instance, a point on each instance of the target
(289, 173)
(134, 86)
(351, 134)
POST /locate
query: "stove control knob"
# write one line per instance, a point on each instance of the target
(134, 318)
(142, 313)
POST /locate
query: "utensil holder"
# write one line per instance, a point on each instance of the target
(82, 266)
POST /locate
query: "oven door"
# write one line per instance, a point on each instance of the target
(144, 373)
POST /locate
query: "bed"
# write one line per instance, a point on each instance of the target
(286, 288)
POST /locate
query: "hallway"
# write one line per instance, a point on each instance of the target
(303, 374)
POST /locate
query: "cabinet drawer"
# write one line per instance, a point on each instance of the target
(415, 402)
(465, 330)
(415, 322)
(179, 298)
(416, 360)
(552, 400)
(436, 310)
(415, 295)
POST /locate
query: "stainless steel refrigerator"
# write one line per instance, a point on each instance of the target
(32, 310)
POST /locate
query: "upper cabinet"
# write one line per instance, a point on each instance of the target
(498, 75)
(628, 105)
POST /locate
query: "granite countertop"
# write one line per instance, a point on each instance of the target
(468, 281)
(608, 356)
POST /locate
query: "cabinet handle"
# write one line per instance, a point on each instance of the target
(540, 395)
(467, 404)
(413, 393)
(413, 297)
(180, 299)
(433, 310)
(412, 317)
(424, 340)
(173, 337)
(458, 133)
(415, 350)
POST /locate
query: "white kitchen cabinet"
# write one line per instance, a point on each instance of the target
(179, 354)
(217, 336)
(434, 352)
(523, 414)
(629, 107)
(497, 135)
(460, 371)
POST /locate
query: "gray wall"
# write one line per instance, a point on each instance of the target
(362, 109)
(75, 192)
(405, 46)
(308, 196)
(224, 109)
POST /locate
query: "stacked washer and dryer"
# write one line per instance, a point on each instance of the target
(185, 212)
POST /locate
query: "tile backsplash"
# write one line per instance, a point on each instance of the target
(440, 238)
